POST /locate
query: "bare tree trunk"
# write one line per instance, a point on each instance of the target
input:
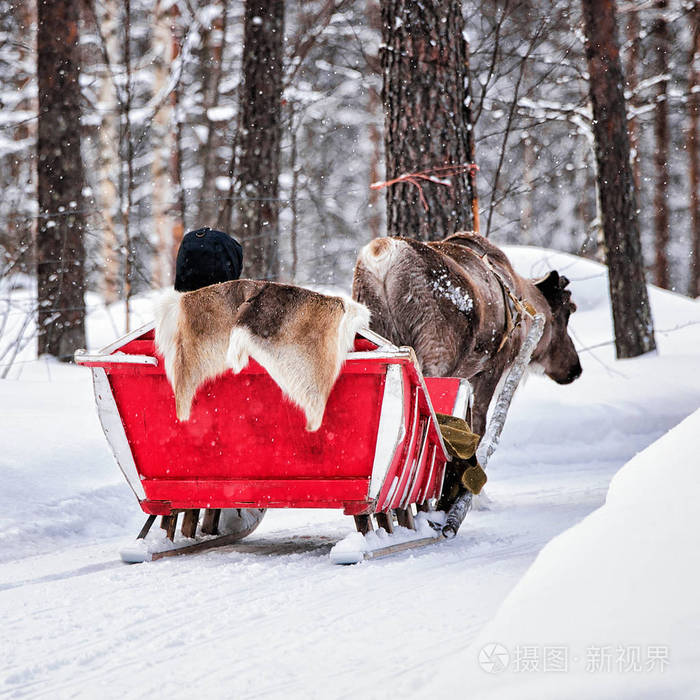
(128, 186)
(469, 126)
(594, 244)
(427, 117)
(163, 135)
(692, 144)
(373, 12)
(375, 217)
(61, 179)
(256, 163)
(176, 168)
(293, 195)
(527, 197)
(632, 75)
(207, 195)
(109, 157)
(17, 237)
(661, 138)
(634, 329)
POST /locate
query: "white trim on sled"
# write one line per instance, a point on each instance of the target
(386, 350)
(411, 482)
(410, 453)
(118, 358)
(132, 335)
(391, 428)
(379, 340)
(463, 399)
(424, 493)
(379, 354)
(114, 431)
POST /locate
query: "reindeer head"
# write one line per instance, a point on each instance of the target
(559, 358)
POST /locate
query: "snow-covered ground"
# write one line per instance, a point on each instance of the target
(610, 607)
(76, 622)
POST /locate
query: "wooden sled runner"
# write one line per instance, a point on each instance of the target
(379, 455)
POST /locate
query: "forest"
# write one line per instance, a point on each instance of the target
(125, 124)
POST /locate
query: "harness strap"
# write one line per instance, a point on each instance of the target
(516, 309)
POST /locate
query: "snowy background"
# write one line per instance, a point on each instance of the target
(332, 141)
(589, 546)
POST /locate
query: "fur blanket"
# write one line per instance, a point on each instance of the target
(300, 337)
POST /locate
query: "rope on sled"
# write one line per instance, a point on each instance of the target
(434, 175)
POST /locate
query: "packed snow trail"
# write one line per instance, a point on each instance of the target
(78, 623)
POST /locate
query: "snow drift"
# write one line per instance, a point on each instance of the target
(610, 607)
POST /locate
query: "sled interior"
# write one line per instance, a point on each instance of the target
(246, 446)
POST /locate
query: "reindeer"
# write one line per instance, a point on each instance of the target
(450, 301)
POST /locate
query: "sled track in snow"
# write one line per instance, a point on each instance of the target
(82, 571)
(253, 586)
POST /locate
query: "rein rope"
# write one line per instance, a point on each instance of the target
(523, 308)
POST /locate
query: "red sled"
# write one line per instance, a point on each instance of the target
(378, 452)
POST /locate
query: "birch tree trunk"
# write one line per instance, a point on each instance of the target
(208, 194)
(528, 196)
(692, 145)
(179, 211)
(163, 135)
(374, 135)
(109, 157)
(661, 139)
(373, 13)
(632, 75)
(427, 116)
(634, 330)
(180, 206)
(127, 180)
(60, 245)
(17, 239)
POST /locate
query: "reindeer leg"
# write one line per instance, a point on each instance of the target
(451, 487)
(484, 386)
(480, 406)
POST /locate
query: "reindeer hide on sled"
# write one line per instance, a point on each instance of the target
(300, 337)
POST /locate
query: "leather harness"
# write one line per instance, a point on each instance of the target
(515, 309)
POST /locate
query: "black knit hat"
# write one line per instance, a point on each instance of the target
(206, 257)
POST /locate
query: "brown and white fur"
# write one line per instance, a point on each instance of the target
(442, 299)
(300, 337)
